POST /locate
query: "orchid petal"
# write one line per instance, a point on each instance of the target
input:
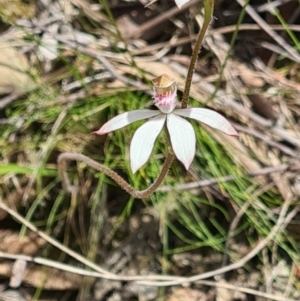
(143, 141)
(210, 118)
(183, 139)
(125, 119)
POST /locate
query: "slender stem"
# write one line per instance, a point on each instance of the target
(208, 11)
(140, 194)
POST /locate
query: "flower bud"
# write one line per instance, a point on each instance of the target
(164, 85)
(165, 90)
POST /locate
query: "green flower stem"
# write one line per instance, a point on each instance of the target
(140, 194)
(208, 12)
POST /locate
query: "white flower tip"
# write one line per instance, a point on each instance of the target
(99, 132)
(135, 165)
(183, 139)
(229, 130)
(187, 164)
(134, 169)
(190, 157)
(220, 123)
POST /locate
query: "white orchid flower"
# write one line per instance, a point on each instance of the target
(182, 134)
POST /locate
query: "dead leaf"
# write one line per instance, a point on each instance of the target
(12, 243)
(262, 106)
(13, 201)
(224, 294)
(187, 294)
(11, 295)
(15, 71)
(12, 10)
(48, 278)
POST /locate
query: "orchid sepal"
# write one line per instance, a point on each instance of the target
(143, 140)
(125, 119)
(210, 118)
(183, 139)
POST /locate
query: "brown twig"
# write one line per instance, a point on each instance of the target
(51, 240)
(283, 220)
(253, 14)
(5, 101)
(160, 18)
(84, 272)
(265, 138)
(140, 194)
(154, 280)
(295, 166)
(211, 32)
